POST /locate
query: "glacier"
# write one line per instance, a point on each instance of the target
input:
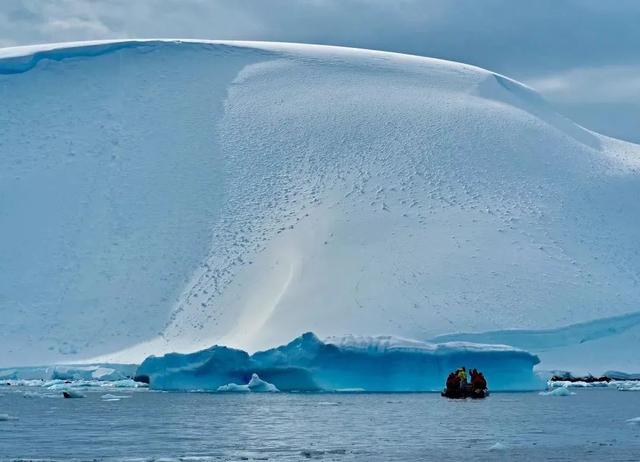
(603, 341)
(174, 194)
(371, 364)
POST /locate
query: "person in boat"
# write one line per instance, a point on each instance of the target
(478, 382)
(453, 382)
(462, 375)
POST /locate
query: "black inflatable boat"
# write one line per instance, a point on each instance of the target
(466, 392)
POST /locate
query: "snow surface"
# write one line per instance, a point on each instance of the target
(164, 196)
(351, 364)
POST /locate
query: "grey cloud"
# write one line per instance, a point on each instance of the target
(541, 42)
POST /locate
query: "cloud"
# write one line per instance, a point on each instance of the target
(576, 52)
(76, 26)
(501, 35)
(606, 84)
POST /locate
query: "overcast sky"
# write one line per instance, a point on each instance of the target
(583, 55)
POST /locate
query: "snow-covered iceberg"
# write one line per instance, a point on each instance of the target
(363, 363)
(170, 195)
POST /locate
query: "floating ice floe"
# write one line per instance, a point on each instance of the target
(256, 384)
(497, 447)
(561, 391)
(628, 386)
(6, 418)
(94, 372)
(31, 394)
(621, 385)
(59, 384)
(68, 393)
(110, 396)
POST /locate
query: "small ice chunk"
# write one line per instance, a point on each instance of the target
(498, 447)
(256, 384)
(561, 391)
(634, 421)
(259, 385)
(234, 388)
(72, 394)
(126, 383)
(7, 417)
(110, 396)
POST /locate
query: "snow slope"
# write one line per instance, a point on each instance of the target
(168, 195)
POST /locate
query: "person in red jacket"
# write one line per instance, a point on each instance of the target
(478, 381)
(453, 382)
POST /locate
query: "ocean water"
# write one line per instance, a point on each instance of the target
(591, 425)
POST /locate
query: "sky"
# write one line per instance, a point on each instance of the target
(582, 55)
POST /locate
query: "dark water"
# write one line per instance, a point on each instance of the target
(330, 427)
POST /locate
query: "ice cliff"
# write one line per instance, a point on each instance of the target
(168, 195)
(365, 363)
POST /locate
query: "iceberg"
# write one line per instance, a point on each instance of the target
(372, 364)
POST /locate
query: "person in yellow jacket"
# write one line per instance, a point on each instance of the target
(462, 375)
